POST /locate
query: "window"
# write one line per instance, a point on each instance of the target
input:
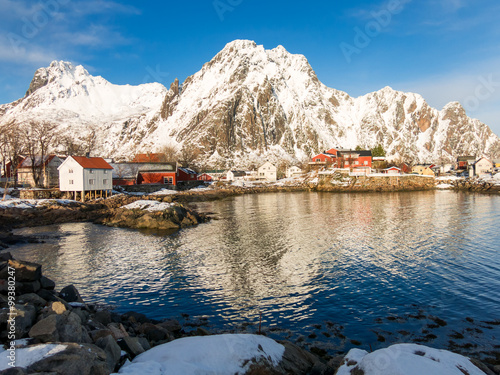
(366, 162)
(91, 171)
(105, 181)
(92, 181)
(70, 170)
(318, 159)
(356, 162)
(71, 182)
(168, 180)
(105, 171)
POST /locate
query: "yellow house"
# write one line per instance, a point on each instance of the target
(422, 170)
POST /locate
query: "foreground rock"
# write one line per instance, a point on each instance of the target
(153, 214)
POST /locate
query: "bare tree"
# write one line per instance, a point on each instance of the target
(11, 149)
(70, 145)
(169, 153)
(90, 139)
(188, 155)
(39, 138)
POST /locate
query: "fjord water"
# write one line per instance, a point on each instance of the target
(300, 259)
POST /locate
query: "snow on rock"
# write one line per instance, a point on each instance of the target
(148, 205)
(444, 186)
(33, 203)
(25, 357)
(407, 359)
(220, 354)
(164, 192)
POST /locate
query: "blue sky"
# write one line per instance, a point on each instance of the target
(445, 50)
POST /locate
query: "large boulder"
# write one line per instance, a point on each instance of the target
(81, 359)
(26, 271)
(65, 327)
(25, 316)
(70, 294)
(112, 349)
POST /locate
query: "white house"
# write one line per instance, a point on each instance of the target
(267, 172)
(235, 175)
(483, 166)
(293, 171)
(81, 174)
(48, 171)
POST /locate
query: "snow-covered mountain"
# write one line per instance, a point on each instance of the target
(247, 104)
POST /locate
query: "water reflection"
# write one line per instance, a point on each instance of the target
(298, 258)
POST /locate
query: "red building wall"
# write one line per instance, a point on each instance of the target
(123, 181)
(155, 177)
(183, 176)
(322, 158)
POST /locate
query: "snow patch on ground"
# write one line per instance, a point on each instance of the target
(164, 192)
(148, 205)
(34, 203)
(27, 356)
(444, 186)
(407, 359)
(220, 354)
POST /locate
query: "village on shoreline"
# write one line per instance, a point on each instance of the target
(70, 336)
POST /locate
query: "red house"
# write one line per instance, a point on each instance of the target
(323, 159)
(355, 159)
(205, 177)
(166, 174)
(392, 170)
(463, 162)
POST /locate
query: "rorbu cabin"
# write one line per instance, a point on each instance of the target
(86, 177)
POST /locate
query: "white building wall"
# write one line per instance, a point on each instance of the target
(65, 176)
(268, 172)
(103, 178)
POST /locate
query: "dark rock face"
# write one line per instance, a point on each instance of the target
(39, 80)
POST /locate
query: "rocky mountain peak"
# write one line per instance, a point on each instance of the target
(246, 105)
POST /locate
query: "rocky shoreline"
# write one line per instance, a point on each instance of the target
(95, 340)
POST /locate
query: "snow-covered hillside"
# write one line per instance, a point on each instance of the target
(249, 104)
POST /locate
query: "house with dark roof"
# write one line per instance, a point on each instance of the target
(46, 167)
(85, 175)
